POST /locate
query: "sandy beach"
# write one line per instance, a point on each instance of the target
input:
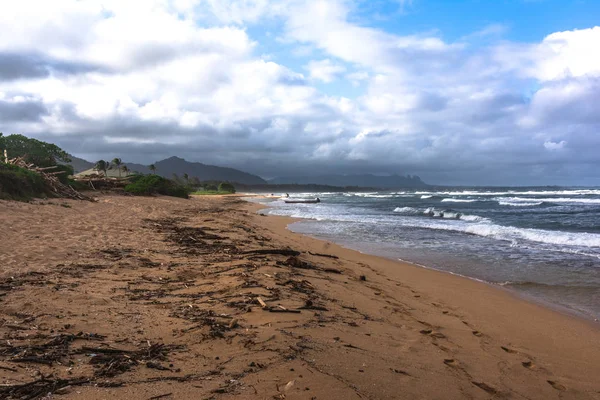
(164, 298)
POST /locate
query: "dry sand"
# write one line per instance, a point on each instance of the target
(136, 298)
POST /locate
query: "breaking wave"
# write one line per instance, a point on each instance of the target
(458, 201)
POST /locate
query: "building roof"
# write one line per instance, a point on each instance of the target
(111, 173)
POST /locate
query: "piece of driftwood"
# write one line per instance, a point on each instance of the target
(279, 310)
(53, 184)
(281, 252)
(160, 396)
(261, 302)
(39, 388)
(295, 262)
(323, 255)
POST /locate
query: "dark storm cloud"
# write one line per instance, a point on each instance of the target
(33, 65)
(21, 111)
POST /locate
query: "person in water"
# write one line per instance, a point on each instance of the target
(318, 200)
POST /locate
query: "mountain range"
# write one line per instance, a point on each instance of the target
(179, 166)
(204, 172)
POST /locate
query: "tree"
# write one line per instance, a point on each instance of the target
(102, 166)
(117, 163)
(152, 168)
(195, 181)
(34, 151)
(186, 177)
(125, 169)
(226, 187)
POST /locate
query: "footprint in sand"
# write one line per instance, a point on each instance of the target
(557, 386)
(426, 331)
(485, 386)
(449, 361)
(477, 333)
(506, 349)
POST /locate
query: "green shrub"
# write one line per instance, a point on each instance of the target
(153, 184)
(64, 177)
(226, 187)
(20, 184)
(78, 185)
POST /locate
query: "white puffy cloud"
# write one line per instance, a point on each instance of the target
(325, 70)
(144, 79)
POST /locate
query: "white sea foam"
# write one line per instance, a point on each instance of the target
(407, 210)
(473, 218)
(519, 204)
(574, 192)
(510, 233)
(458, 200)
(530, 200)
(426, 196)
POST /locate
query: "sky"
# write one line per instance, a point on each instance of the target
(459, 92)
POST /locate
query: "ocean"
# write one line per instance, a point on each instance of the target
(543, 243)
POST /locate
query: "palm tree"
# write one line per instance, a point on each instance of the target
(125, 169)
(117, 163)
(152, 168)
(186, 177)
(101, 166)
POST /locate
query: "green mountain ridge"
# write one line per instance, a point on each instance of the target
(179, 166)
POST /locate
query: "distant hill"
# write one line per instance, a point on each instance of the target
(79, 164)
(179, 166)
(292, 188)
(176, 165)
(364, 180)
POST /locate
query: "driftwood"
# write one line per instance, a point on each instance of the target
(323, 255)
(295, 262)
(53, 184)
(261, 302)
(281, 252)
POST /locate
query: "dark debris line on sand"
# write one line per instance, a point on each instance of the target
(214, 312)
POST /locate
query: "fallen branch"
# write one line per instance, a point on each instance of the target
(323, 255)
(281, 252)
(53, 184)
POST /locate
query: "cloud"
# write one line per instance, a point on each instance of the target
(325, 70)
(145, 80)
(22, 110)
(554, 145)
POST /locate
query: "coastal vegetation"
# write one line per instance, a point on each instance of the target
(18, 183)
(147, 185)
(213, 189)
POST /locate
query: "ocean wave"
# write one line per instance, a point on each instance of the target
(519, 200)
(434, 213)
(514, 234)
(549, 286)
(458, 200)
(519, 204)
(426, 196)
(473, 218)
(573, 192)
(408, 210)
(375, 195)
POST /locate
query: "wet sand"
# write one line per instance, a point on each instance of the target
(140, 298)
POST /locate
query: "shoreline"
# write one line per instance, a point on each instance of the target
(520, 295)
(515, 294)
(151, 297)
